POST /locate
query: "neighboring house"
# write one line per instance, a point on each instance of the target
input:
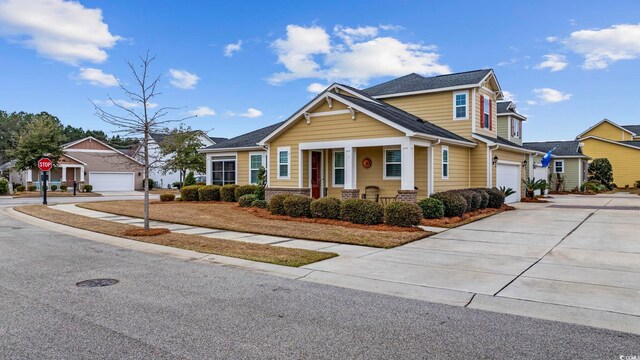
(409, 137)
(567, 161)
(165, 180)
(619, 144)
(510, 122)
(90, 161)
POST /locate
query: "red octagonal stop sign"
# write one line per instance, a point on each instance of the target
(45, 164)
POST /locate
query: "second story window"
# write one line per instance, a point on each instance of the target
(460, 105)
(516, 128)
(486, 114)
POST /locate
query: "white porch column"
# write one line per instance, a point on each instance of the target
(64, 173)
(300, 167)
(29, 175)
(349, 168)
(430, 171)
(81, 173)
(407, 178)
(208, 158)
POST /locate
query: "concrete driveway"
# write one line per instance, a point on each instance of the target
(575, 259)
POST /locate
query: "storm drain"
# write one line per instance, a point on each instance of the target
(97, 282)
(593, 207)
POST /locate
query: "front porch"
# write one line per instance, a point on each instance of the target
(65, 174)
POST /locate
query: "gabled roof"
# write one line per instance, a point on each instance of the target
(500, 141)
(415, 83)
(633, 128)
(631, 144)
(248, 140)
(70, 144)
(562, 148)
(605, 120)
(508, 108)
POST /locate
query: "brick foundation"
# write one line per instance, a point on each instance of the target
(271, 191)
(409, 196)
(350, 194)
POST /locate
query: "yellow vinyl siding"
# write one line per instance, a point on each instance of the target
(458, 168)
(479, 130)
(324, 106)
(608, 131)
(373, 176)
(512, 157)
(436, 108)
(625, 161)
(478, 165)
(421, 169)
(242, 168)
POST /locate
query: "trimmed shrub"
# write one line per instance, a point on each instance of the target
(474, 200)
(189, 193)
(360, 211)
(262, 204)
(276, 205)
(454, 203)
(20, 188)
(432, 208)
(402, 214)
(600, 170)
(245, 190)
(298, 206)
(87, 188)
(496, 198)
(4, 186)
(247, 199)
(54, 187)
(326, 208)
(228, 193)
(63, 188)
(484, 195)
(190, 179)
(209, 193)
(32, 188)
(167, 197)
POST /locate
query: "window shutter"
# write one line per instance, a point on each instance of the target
(520, 129)
(490, 116)
(481, 111)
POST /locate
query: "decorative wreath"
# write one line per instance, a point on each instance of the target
(366, 163)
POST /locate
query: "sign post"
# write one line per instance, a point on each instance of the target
(45, 165)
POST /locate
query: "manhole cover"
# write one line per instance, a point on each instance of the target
(97, 282)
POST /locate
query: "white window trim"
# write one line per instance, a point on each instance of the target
(279, 150)
(554, 166)
(442, 163)
(466, 106)
(486, 111)
(263, 161)
(333, 168)
(235, 156)
(384, 163)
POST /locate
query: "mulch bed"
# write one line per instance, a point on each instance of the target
(533, 200)
(452, 222)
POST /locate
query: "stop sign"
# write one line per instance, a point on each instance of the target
(45, 164)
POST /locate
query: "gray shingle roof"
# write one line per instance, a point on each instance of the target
(501, 141)
(218, 139)
(403, 118)
(563, 148)
(633, 128)
(246, 140)
(632, 143)
(503, 107)
(415, 82)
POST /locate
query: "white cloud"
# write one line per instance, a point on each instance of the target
(201, 111)
(603, 47)
(251, 113)
(548, 95)
(508, 95)
(231, 48)
(552, 39)
(316, 88)
(355, 55)
(553, 62)
(97, 77)
(62, 30)
(132, 104)
(532, 102)
(183, 79)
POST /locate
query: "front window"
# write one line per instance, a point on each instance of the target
(283, 163)
(460, 105)
(487, 114)
(223, 171)
(256, 161)
(558, 166)
(445, 162)
(338, 168)
(392, 164)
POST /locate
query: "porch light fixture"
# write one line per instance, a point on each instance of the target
(495, 160)
(524, 163)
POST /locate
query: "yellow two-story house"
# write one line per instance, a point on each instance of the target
(403, 139)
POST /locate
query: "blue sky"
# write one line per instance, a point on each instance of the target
(567, 64)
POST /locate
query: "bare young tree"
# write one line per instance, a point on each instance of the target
(142, 118)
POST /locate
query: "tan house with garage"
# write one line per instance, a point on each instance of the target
(401, 140)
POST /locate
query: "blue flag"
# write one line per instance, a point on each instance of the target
(546, 159)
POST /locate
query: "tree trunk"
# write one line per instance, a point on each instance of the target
(146, 178)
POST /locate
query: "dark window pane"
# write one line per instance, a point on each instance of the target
(217, 166)
(394, 170)
(339, 176)
(393, 155)
(284, 171)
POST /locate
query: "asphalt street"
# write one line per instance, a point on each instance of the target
(164, 307)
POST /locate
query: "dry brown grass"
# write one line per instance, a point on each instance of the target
(229, 216)
(467, 218)
(243, 250)
(150, 232)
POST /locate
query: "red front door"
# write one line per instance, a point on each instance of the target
(316, 174)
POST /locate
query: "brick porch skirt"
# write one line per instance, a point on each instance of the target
(409, 196)
(350, 194)
(271, 191)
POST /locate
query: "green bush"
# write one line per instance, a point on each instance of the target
(228, 193)
(454, 203)
(167, 197)
(259, 204)
(360, 211)
(496, 198)
(402, 214)
(637, 184)
(276, 204)
(209, 193)
(189, 193)
(297, 206)
(32, 188)
(152, 184)
(247, 199)
(87, 188)
(190, 179)
(4, 186)
(63, 188)
(20, 188)
(326, 208)
(600, 170)
(54, 187)
(484, 195)
(432, 208)
(245, 190)
(474, 200)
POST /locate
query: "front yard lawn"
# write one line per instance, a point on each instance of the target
(228, 216)
(238, 249)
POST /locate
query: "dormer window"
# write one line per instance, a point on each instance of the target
(460, 105)
(516, 128)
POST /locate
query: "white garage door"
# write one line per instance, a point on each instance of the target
(508, 175)
(111, 181)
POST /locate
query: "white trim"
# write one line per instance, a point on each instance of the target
(82, 174)
(407, 166)
(507, 162)
(91, 151)
(91, 138)
(384, 163)
(522, 117)
(208, 169)
(211, 159)
(74, 159)
(554, 166)
(109, 172)
(473, 116)
(263, 154)
(214, 151)
(450, 88)
(509, 128)
(430, 171)
(493, 143)
(579, 173)
(350, 158)
(300, 168)
(288, 150)
(329, 113)
(333, 168)
(466, 105)
(609, 141)
(444, 148)
(356, 94)
(64, 173)
(600, 123)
